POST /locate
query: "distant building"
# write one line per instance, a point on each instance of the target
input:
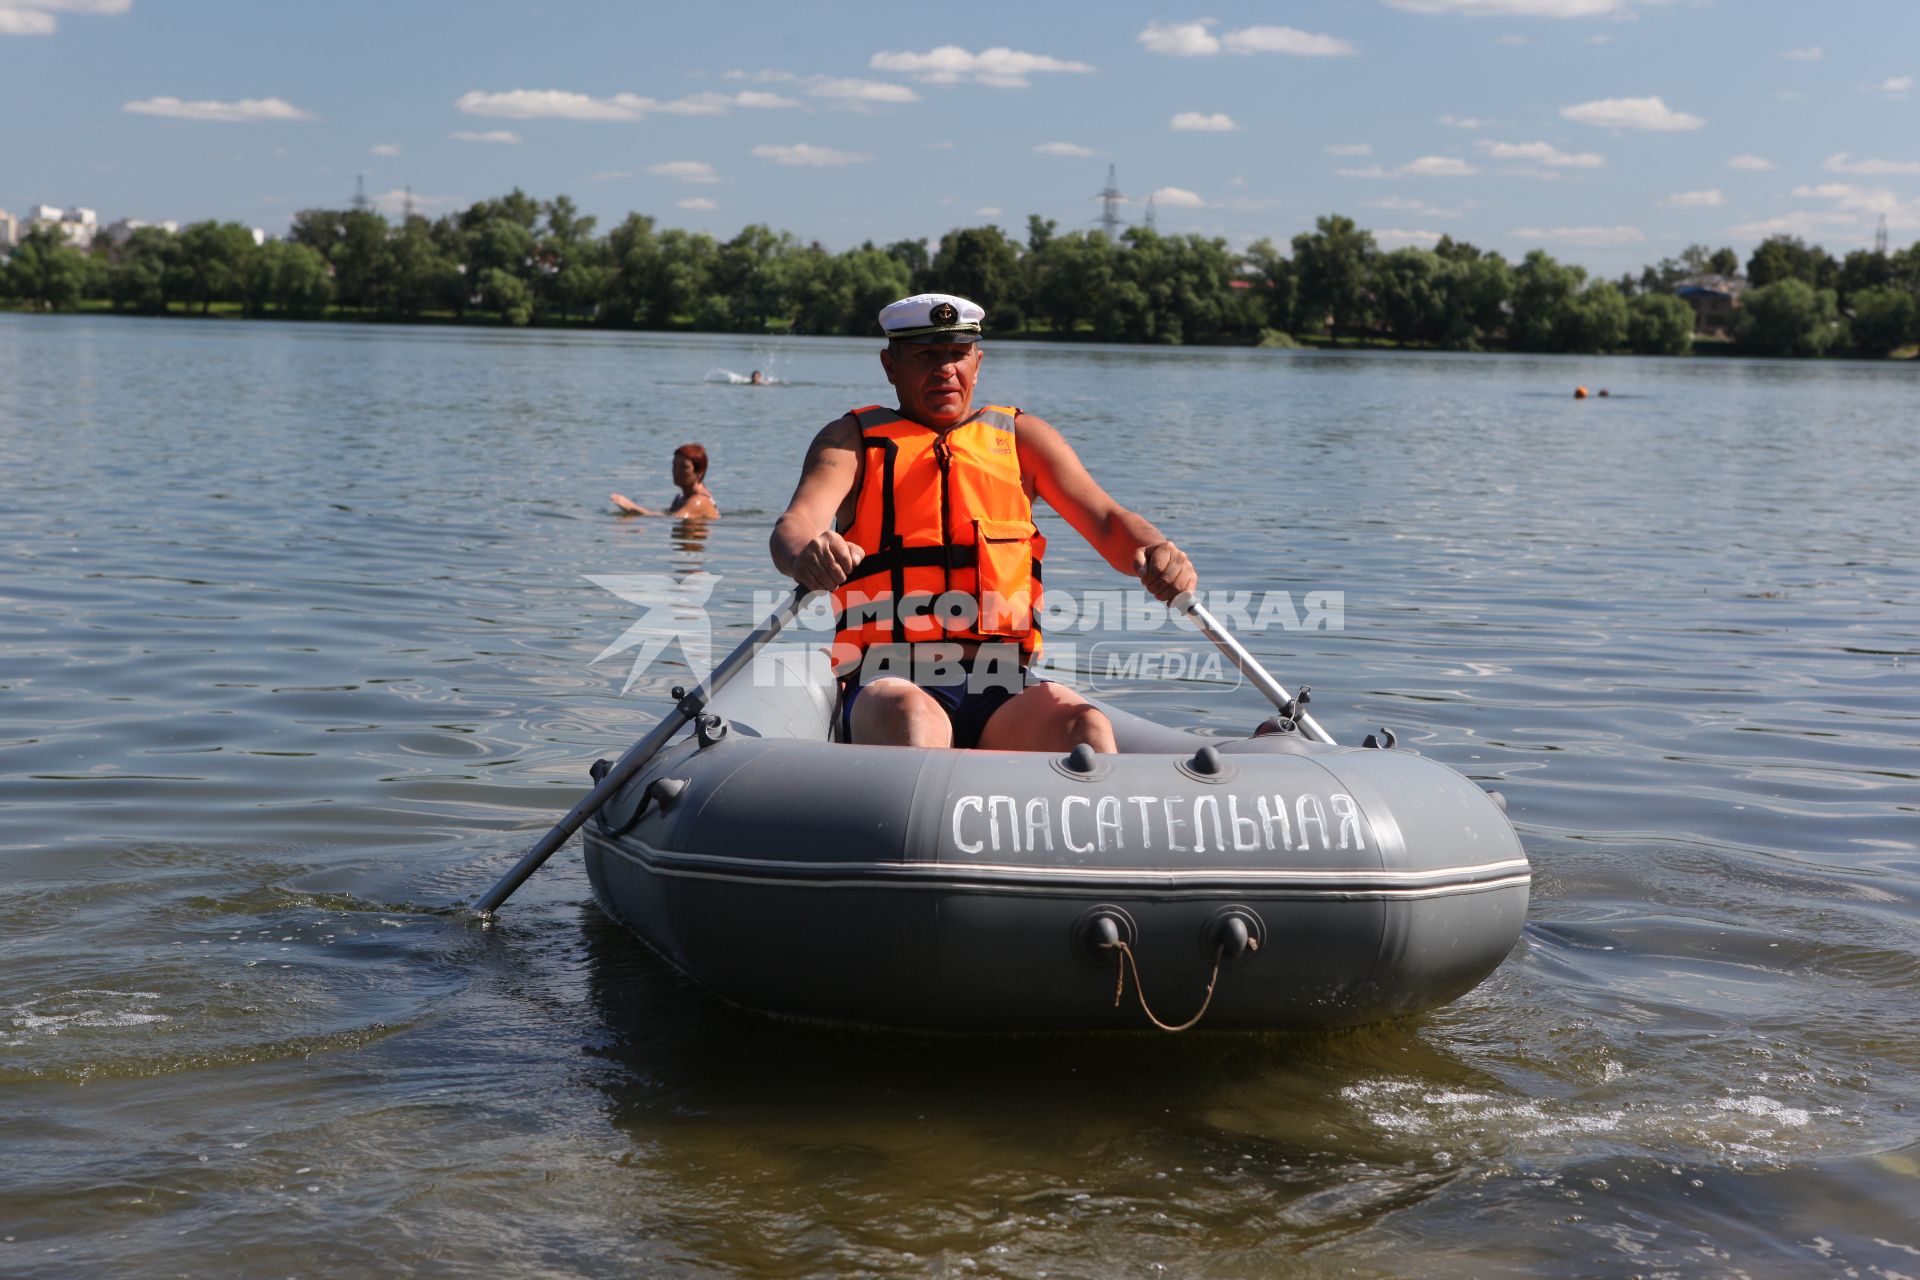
(77, 226)
(118, 233)
(1715, 301)
(9, 231)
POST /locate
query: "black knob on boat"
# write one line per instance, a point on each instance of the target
(1098, 931)
(1082, 759)
(1232, 934)
(710, 729)
(1206, 760)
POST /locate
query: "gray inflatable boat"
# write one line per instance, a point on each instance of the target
(1267, 882)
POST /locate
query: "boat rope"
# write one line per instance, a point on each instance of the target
(1127, 961)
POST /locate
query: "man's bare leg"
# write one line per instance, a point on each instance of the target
(892, 712)
(1045, 717)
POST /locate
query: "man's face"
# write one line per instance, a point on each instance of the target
(933, 379)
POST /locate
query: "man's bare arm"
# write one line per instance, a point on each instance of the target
(804, 544)
(1125, 539)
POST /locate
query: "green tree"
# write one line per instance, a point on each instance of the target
(213, 262)
(1544, 293)
(1478, 289)
(1068, 274)
(1659, 324)
(756, 274)
(138, 278)
(1790, 258)
(982, 264)
(1787, 318)
(1861, 270)
(1724, 262)
(506, 295)
(1409, 288)
(289, 276)
(1275, 288)
(1331, 265)
(45, 272)
(1884, 320)
(1595, 321)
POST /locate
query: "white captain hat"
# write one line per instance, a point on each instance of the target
(932, 317)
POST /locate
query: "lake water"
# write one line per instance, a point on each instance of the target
(297, 655)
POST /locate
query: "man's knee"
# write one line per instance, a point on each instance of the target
(895, 712)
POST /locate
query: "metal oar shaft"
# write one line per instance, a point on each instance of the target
(640, 753)
(1249, 666)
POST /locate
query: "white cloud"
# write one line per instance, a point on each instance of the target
(1600, 39)
(1179, 40)
(500, 136)
(384, 149)
(1588, 237)
(762, 77)
(1195, 40)
(1424, 167)
(1397, 236)
(1812, 53)
(1514, 8)
(999, 67)
(699, 204)
(1631, 113)
(1896, 86)
(1409, 205)
(1464, 122)
(611, 175)
(542, 104)
(1872, 201)
(1438, 167)
(1350, 149)
(1301, 44)
(1710, 199)
(1177, 198)
(27, 22)
(806, 155)
(987, 211)
(246, 110)
(684, 171)
(1793, 224)
(560, 104)
(1543, 153)
(1063, 149)
(1752, 164)
(1195, 122)
(36, 17)
(1841, 162)
(862, 92)
(1511, 39)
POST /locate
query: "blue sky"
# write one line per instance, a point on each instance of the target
(1611, 132)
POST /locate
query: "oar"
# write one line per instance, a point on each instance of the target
(1249, 666)
(689, 706)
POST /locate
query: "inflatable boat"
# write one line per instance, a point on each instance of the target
(1268, 881)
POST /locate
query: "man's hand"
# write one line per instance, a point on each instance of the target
(1164, 570)
(826, 562)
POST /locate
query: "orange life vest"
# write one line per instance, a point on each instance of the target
(946, 532)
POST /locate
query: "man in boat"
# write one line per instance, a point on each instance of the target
(919, 520)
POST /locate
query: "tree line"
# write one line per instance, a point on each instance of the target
(517, 260)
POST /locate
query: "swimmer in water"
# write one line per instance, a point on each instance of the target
(756, 380)
(694, 501)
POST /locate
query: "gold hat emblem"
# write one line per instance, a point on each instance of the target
(944, 313)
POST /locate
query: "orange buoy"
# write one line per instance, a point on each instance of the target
(1579, 393)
